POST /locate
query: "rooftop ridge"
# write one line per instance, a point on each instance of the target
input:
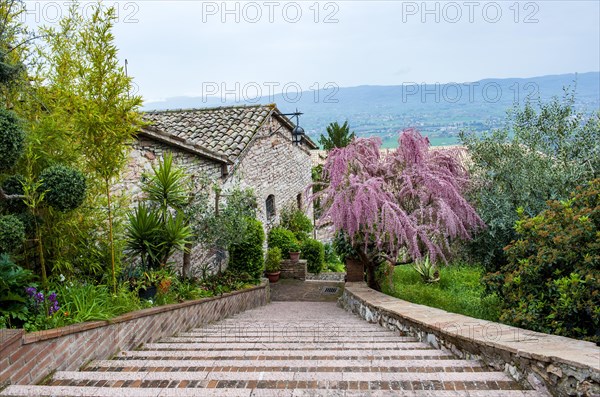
(205, 109)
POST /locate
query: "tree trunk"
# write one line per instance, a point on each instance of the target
(111, 237)
(370, 267)
(372, 281)
(187, 261)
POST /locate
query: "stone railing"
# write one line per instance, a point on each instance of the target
(28, 358)
(548, 363)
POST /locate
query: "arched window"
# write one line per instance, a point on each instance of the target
(270, 204)
(299, 201)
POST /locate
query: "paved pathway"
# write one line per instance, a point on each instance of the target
(283, 349)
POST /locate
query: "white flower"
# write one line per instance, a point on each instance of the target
(61, 278)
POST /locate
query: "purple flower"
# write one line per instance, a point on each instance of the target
(53, 308)
(52, 297)
(31, 291)
(38, 298)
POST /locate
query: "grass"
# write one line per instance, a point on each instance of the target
(458, 291)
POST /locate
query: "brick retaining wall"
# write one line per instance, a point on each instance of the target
(28, 358)
(559, 365)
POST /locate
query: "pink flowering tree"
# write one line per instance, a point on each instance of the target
(410, 200)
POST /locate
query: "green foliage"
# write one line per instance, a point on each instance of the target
(337, 136)
(296, 221)
(227, 281)
(343, 247)
(335, 267)
(64, 187)
(459, 291)
(543, 154)
(314, 253)
(283, 239)
(247, 255)
(427, 270)
(153, 239)
(166, 187)
(159, 227)
(12, 139)
(273, 261)
(215, 231)
(551, 282)
(87, 302)
(12, 233)
(13, 281)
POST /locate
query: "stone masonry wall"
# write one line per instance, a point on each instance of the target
(274, 165)
(548, 363)
(28, 358)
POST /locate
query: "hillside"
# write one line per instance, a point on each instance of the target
(438, 110)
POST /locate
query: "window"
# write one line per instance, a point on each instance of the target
(270, 204)
(299, 201)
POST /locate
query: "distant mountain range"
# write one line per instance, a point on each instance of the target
(440, 111)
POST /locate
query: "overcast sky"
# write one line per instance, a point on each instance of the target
(179, 48)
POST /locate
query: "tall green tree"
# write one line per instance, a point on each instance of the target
(546, 150)
(337, 136)
(92, 88)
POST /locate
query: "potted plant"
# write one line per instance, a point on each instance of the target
(355, 269)
(273, 264)
(294, 248)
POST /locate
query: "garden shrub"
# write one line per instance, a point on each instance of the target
(13, 281)
(551, 282)
(273, 261)
(12, 139)
(12, 233)
(247, 255)
(65, 187)
(282, 238)
(314, 253)
(297, 222)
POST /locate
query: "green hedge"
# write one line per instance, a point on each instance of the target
(314, 253)
(247, 256)
(283, 239)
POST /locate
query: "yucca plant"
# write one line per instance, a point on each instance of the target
(167, 186)
(427, 269)
(157, 228)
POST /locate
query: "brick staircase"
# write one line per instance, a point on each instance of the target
(282, 349)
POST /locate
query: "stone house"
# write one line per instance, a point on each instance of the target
(245, 146)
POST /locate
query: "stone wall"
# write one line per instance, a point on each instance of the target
(293, 269)
(548, 363)
(272, 164)
(28, 358)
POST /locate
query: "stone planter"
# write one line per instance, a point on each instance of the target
(295, 256)
(355, 270)
(273, 277)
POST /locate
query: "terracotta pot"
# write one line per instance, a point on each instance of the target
(295, 256)
(355, 270)
(273, 277)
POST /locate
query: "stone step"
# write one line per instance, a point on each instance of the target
(282, 339)
(278, 346)
(328, 352)
(184, 363)
(93, 391)
(480, 376)
(258, 354)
